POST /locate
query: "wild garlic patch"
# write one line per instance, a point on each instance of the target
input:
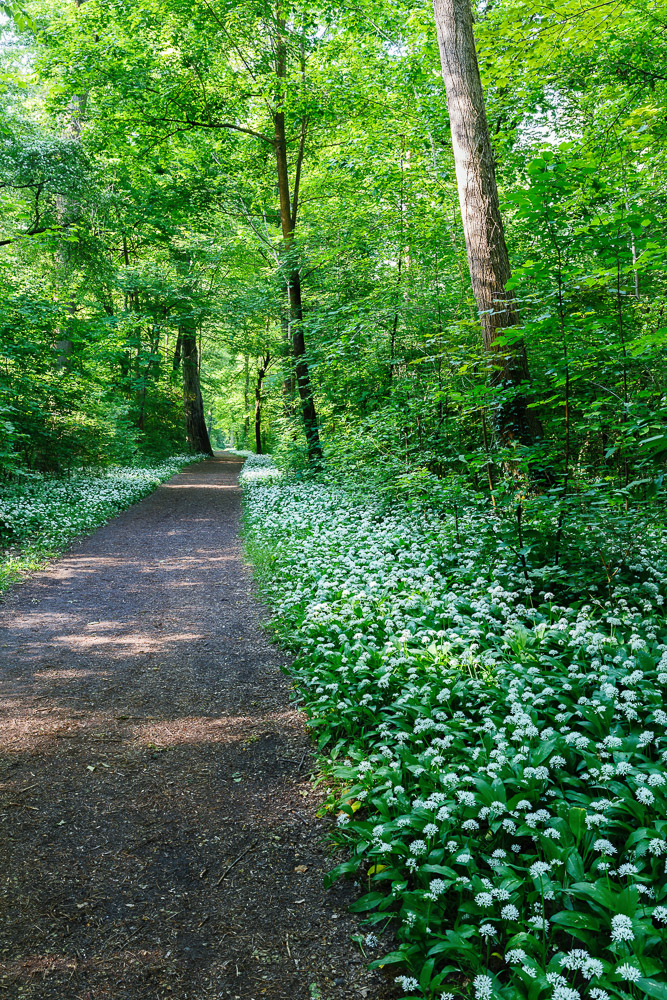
(504, 757)
(40, 514)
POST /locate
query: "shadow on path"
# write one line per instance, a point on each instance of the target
(157, 828)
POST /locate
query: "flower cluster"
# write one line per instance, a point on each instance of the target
(503, 756)
(258, 469)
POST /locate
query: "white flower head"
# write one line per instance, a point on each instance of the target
(621, 928)
(515, 955)
(645, 796)
(484, 899)
(483, 987)
(539, 868)
(628, 972)
(408, 983)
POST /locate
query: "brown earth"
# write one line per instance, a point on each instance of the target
(158, 828)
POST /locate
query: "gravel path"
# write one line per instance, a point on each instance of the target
(158, 831)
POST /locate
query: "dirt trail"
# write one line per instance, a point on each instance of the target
(158, 835)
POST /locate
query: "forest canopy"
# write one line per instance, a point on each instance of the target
(241, 221)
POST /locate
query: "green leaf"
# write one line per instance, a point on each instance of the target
(367, 902)
(575, 920)
(653, 989)
(345, 868)
(394, 958)
(426, 974)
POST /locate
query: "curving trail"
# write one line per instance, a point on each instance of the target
(154, 802)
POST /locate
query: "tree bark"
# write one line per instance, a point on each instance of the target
(195, 423)
(289, 384)
(261, 372)
(488, 258)
(288, 215)
(258, 419)
(176, 363)
(302, 372)
(246, 401)
(399, 274)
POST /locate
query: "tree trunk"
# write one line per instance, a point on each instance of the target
(176, 363)
(195, 424)
(68, 211)
(289, 384)
(261, 372)
(301, 369)
(488, 259)
(246, 401)
(288, 215)
(258, 415)
(394, 328)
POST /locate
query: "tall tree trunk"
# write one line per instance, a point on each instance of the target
(289, 384)
(261, 372)
(288, 216)
(488, 259)
(258, 418)
(399, 274)
(176, 363)
(303, 385)
(195, 424)
(246, 401)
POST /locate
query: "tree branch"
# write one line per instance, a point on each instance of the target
(194, 123)
(34, 232)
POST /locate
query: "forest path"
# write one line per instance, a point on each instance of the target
(155, 808)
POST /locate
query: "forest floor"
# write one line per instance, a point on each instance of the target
(158, 827)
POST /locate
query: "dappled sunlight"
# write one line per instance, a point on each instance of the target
(16, 733)
(76, 674)
(147, 642)
(153, 775)
(20, 724)
(199, 487)
(225, 729)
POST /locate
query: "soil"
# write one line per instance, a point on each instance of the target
(158, 827)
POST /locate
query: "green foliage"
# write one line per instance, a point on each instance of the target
(151, 201)
(494, 721)
(16, 13)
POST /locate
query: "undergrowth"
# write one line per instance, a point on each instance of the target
(495, 716)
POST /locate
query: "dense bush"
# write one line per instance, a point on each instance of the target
(502, 755)
(77, 393)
